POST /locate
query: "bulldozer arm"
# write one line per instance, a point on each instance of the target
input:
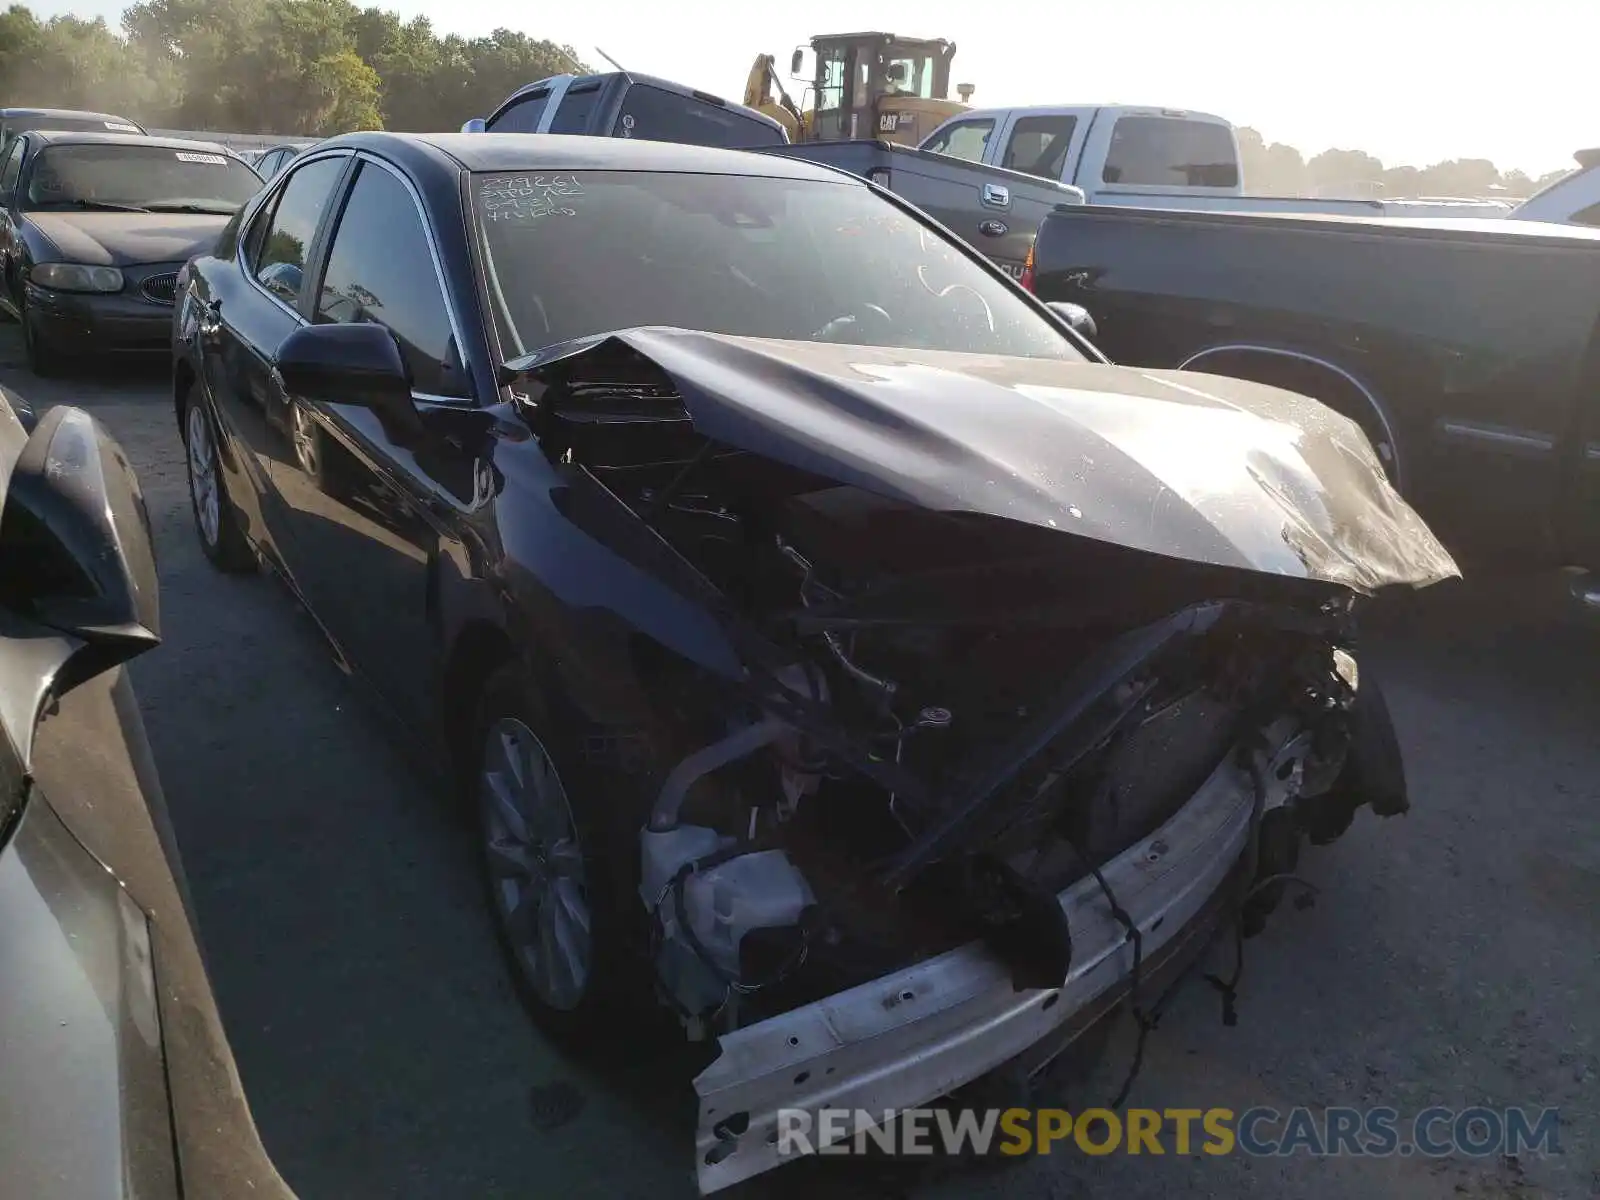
(764, 92)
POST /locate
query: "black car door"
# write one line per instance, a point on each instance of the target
(248, 308)
(371, 515)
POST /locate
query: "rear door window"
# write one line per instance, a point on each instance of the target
(523, 116)
(1171, 152)
(656, 115)
(964, 139)
(576, 111)
(279, 260)
(1038, 145)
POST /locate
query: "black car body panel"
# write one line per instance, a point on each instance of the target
(1472, 346)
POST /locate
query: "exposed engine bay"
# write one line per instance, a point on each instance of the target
(942, 717)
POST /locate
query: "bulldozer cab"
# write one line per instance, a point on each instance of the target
(867, 84)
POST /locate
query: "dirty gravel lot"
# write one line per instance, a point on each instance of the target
(1451, 958)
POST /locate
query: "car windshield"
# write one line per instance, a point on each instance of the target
(140, 178)
(568, 256)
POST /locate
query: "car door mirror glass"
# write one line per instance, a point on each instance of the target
(358, 364)
(476, 125)
(75, 540)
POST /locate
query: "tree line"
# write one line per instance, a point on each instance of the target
(293, 67)
(1280, 170)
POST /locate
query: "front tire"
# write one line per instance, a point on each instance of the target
(215, 519)
(552, 859)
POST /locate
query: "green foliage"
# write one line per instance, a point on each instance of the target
(288, 67)
(284, 247)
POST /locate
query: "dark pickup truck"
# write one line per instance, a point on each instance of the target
(995, 210)
(1469, 350)
(626, 104)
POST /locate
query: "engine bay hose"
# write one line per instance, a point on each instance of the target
(702, 762)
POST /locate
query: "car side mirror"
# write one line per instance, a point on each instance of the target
(357, 363)
(476, 125)
(796, 61)
(1076, 316)
(76, 555)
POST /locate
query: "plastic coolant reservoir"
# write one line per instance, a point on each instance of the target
(663, 852)
(763, 890)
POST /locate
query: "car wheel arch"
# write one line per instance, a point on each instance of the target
(191, 392)
(1311, 375)
(478, 649)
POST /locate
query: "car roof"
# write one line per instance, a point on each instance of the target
(571, 152)
(65, 112)
(93, 137)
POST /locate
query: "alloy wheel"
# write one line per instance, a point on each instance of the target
(303, 433)
(535, 865)
(203, 488)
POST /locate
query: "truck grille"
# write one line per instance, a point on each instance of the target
(160, 289)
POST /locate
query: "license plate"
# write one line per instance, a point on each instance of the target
(1012, 269)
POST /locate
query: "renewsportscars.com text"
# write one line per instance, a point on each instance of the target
(1321, 1132)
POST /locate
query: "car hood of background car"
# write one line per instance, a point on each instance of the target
(1194, 467)
(117, 239)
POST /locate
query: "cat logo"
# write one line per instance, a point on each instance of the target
(888, 122)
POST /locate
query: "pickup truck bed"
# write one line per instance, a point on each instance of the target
(1469, 350)
(995, 210)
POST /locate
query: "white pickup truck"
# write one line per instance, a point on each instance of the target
(1571, 200)
(1139, 157)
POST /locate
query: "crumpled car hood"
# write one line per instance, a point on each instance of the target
(1195, 467)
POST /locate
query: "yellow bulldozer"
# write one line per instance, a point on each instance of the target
(862, 85)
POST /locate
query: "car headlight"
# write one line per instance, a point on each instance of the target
(76, 277)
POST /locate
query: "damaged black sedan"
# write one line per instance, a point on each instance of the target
(832, 646)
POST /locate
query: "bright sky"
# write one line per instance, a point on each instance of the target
(1412, 81)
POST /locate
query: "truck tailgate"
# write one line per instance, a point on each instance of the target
(994, 210)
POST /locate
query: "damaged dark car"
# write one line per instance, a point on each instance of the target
(833, 647)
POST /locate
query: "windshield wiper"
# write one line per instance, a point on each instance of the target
(93, 205)
(215, 210)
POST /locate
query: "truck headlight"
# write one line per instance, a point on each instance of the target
(76, 277)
